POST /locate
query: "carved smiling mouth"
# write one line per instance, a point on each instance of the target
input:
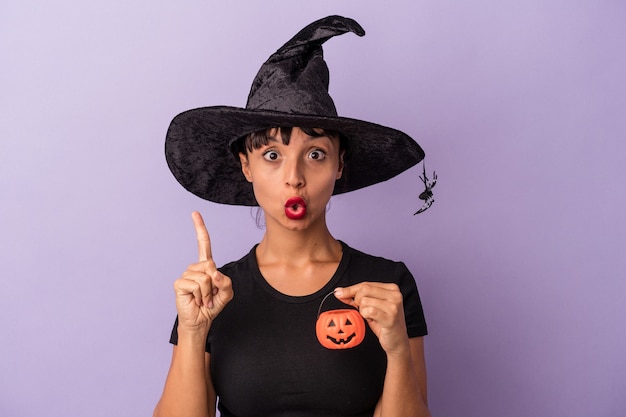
(295, 208)
(341, 341)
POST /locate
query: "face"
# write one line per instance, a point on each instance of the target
(294, 182)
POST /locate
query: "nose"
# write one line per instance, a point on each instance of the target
(294, 175)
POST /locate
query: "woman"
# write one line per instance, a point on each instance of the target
(280, 332)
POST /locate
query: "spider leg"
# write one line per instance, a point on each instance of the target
(429, 202)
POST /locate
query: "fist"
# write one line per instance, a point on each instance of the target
(202, 291)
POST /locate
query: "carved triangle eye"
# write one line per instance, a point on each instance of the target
(348, 322)
(332, 323)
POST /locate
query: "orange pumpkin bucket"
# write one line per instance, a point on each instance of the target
(339, 329)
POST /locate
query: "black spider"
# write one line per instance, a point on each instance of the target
(427, 194)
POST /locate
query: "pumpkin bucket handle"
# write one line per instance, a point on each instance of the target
(319, 310)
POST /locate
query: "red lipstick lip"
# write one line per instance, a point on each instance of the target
(295, 208)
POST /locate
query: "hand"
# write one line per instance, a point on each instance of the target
(380, 304)
(202, 291)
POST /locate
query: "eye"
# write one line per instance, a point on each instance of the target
(270, 155)
(317, 154)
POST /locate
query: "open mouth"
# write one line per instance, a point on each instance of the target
(295, 208)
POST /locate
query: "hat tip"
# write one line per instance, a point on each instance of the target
(350, 24)
(316, 33)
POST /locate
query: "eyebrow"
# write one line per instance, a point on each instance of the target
(307, 138)
(319, 137)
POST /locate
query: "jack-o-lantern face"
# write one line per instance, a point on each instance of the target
(340, 329)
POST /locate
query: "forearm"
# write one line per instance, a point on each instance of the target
(403, 394)
(185, 392)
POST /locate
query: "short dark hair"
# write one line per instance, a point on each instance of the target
(256, 140)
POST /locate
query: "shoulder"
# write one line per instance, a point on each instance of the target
(366, 267)
(376, 268)
(245, 264)
(364, 260)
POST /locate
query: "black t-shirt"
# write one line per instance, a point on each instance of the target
(265, 356)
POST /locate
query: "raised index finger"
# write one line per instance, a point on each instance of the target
(204, 243)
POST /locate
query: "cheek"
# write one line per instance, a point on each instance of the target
(323, 181)
(262, 192)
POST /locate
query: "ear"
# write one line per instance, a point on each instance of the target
(245, 166)
(341, 165)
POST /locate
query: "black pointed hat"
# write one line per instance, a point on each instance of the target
(290, 90)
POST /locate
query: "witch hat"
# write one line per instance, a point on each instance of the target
(290, 90)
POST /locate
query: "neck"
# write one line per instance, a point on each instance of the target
(312, 244)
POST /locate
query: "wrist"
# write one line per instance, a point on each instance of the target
(192, 334)
(400, 353)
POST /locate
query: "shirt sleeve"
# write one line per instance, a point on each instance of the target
(174, 337)
(413, 311)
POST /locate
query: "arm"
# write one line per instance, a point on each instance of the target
(188, 389)
(404, 391)
(201, 294)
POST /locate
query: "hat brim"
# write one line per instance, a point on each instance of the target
(197, 150)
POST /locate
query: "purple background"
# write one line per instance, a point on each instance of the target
(521, 261)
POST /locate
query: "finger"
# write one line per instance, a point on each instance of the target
(353, 294)
(222, 285)
(379, 310)
(345, 296)
(188, 288)
(204, 295)
(207, 267)
(204, 243)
